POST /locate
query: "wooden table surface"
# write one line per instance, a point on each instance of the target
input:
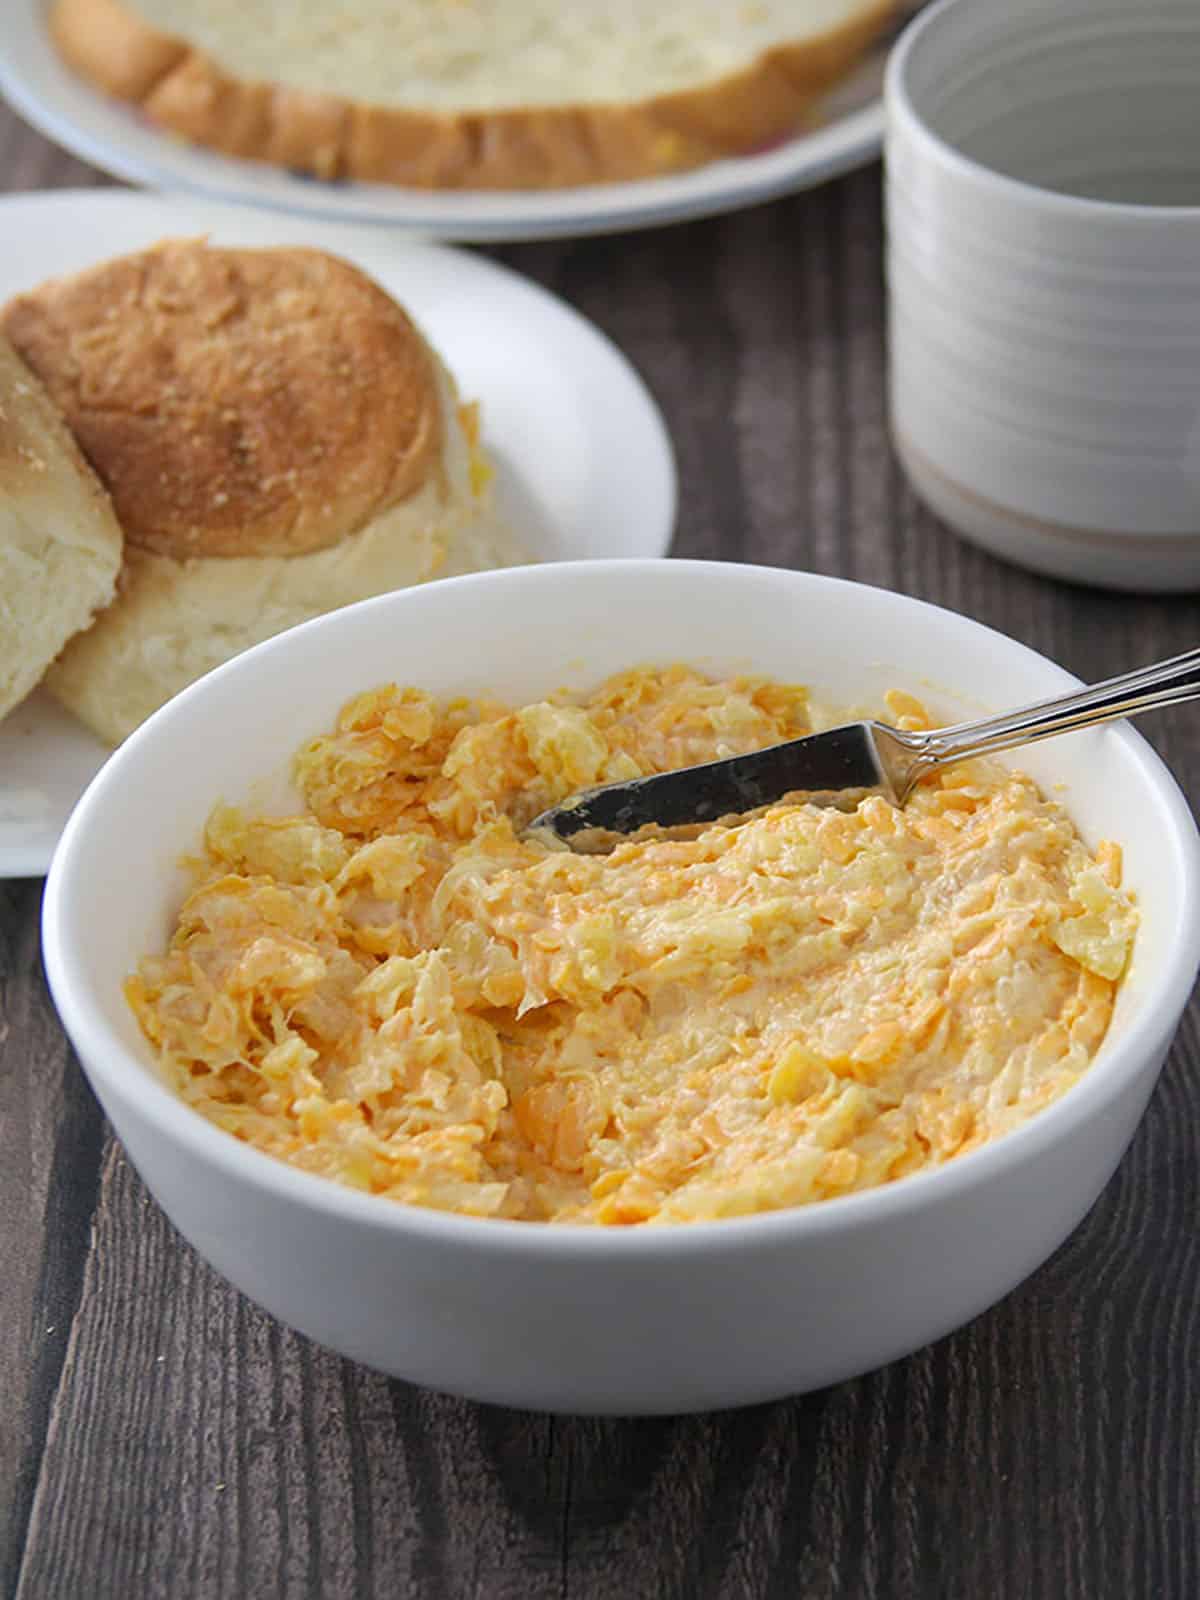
(161, 1437)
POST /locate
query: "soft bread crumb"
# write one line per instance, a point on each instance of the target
(60, 545)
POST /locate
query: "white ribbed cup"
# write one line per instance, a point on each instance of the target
(1043, 212)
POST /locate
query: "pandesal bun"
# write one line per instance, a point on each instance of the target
(279, 440)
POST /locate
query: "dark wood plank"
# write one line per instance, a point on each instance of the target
(195, 1449)
(225, 1455)
(27, 161)
(50, 1137)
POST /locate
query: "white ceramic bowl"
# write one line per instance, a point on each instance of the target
(1043, 208)
(572, 1318)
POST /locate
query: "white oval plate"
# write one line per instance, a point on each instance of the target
(111, 136)
(584, 462)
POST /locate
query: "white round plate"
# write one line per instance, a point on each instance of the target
(584, 462)
(111, 136)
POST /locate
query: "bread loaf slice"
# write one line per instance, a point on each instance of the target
(60, 544)
(495, 94)
(279, 440)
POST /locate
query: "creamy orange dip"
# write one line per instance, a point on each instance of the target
(396, 991)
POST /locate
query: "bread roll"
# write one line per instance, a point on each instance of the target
(497, 94)
(279, 440)
(60, 544)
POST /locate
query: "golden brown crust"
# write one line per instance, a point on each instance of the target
(236, 402)
(113, 47)
(522, 148)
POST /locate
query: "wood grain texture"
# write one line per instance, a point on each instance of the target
(170, 1440)
(50, 1140)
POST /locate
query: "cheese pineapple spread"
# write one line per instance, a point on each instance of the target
(398, 992)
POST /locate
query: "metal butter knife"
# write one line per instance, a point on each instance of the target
(843, 765)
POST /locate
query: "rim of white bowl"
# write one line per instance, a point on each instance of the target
(109, 1059)
(900, 103)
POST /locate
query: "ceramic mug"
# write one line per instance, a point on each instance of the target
(1043, 214)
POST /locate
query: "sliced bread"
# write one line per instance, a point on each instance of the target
(472, 93)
